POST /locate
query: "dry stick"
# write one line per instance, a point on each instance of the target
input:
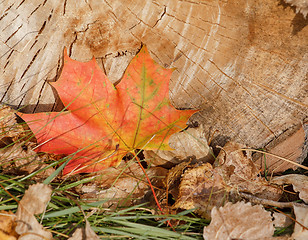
(293, 219)
(263, 201)
(16, 200)
(152, 189)
(273, 155)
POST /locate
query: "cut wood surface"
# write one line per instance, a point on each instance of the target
(243, 63)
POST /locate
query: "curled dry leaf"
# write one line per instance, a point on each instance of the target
(7, 226)
(241, 174)
(301, 6)
(10, 131)
(204, 187)
(281, 220)
(17, 155)
(33, 202)
(123, 185)
(292, 145)
(299, 182)
(301, 214)
(201, 188)
(173, 178)
(188, 143)
(87, 233)
(170, 190)
(17, 159)
(239, 221)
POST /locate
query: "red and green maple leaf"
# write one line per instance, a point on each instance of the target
(104, 122)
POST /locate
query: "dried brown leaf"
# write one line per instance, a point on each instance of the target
(281, 220)
(174, 176)
(170, 190)
(84, 234)
(239, 221)
(291, 145)
(242, 175)
(16, 155)
(201, 188)
(7, 226)
(299, 182)
(122, 185)
(5, 236)
(300, 5)
(301, 214)
(33, 202)
(10, 131)
(189, 143)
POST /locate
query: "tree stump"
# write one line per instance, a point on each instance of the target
(242, 63)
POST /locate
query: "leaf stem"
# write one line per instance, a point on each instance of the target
(151, 186)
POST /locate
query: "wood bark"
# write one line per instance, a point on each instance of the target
(243, 63)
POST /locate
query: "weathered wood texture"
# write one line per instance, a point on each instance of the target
(242, 62)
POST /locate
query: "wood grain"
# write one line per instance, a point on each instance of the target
(243, 63)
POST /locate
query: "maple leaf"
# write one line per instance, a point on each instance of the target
(103, 122)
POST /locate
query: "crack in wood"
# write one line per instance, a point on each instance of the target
(108, 4)
(231, 98)
(33, 45)
(12, 48)
(194, 25)
(20, 4)
(7, 62)
(6, 91)
(131, 28)
(10, 54)
(78, 32)
(34, 10)
(10, 23)
(232, 79)
(23, 95)
(281, 95)
(227, 37)
(135, 15)
(39, 96)
(41, 30)
(227, 125)
(70, 49)
(6, 10)
(28, 67)
(188, 40)
(3, 15)
(64, 7)
(13, 33)
(161, 16)
(88, 5)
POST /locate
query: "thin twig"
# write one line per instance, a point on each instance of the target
(273, 155)
(293, 219)
(263, 201)
(152, 189)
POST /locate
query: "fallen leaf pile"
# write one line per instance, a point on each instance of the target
(244, 221)
(239, 221)
(24, 226)
(122, 185)
(102, 123)
(16, 154)
(205, 186)
(33, 202)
